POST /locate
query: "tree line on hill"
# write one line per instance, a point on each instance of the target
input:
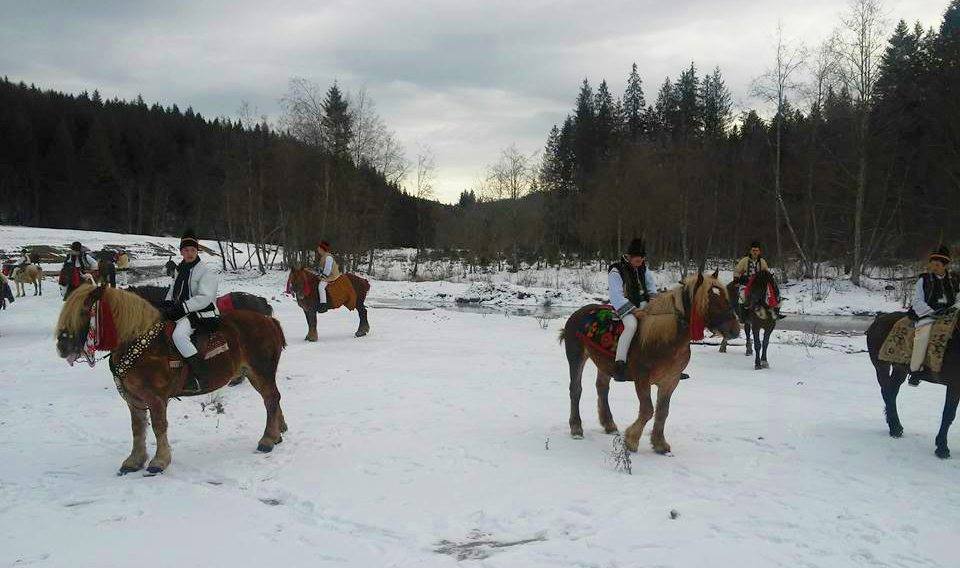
(859, 162)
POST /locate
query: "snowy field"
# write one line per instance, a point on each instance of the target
(441, 439)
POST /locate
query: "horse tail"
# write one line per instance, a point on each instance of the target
(362, 287)
(278, 333)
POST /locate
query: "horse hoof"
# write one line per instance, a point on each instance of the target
(896, 432)
(764, 364)
(723, 350)
(943, 453)
(613, 430)
(263, 448)
(128, 469)
(359, 334)
(748, 353)
(757, 367)
(154, 469)
(236, 381)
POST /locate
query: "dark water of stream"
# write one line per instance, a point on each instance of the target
(834, 324)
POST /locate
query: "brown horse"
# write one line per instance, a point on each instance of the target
(891, 377)
(141, 360)
(28, 274)
(662, 342)
(302, 283)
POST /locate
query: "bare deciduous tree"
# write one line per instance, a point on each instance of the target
(775, 85)
(858, 47)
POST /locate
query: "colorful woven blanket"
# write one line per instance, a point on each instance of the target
(601, 330)
(898, 346)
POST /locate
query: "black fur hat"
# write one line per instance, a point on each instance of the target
(75, 246)
(637, 248)
(756, 244)
(942, 254)
(189, 239)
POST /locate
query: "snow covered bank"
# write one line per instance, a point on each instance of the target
(444, 282)
(444, 435)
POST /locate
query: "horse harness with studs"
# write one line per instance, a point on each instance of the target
(122, 362)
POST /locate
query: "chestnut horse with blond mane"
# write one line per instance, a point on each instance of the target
(674, 318)
(302, 283)
(132, 329)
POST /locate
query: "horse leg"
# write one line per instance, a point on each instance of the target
(633, 433)
(138, 456)
(890, 378)
(264, 379)
(158, 419)
(723, 345)
(767, 332)
(603, 403)
(747, 329)
(311, 325)
(576, 358)
(949, 413)
(364, 323)
(657, 440)
(757, 345)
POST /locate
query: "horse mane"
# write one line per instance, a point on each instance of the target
(132, 315)
(661, 325)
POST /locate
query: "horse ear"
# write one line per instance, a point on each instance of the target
(716, 273)
(700, 278)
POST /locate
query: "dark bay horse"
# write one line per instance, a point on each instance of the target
(662, 342)
(238, 300)
(141, 357)
(755, 315)
(891, 377)
(302, 283)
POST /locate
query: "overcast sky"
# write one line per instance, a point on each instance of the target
(467, 78)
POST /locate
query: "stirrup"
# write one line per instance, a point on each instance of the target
(191, 384)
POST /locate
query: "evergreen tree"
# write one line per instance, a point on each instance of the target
(336, 123)
(634, 106)
(715, 102)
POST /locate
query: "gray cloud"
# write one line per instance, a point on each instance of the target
(468, 78)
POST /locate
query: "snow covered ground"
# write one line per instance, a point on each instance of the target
(444, 435)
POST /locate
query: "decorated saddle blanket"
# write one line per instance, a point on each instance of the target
(898, 346)
(601, 329)
(340, 292)
(209, 345)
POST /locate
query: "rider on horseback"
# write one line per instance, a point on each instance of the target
(746, 271)
(631, 286)
(191, 302)
(329, 271)
(934, 295)
(78, 263)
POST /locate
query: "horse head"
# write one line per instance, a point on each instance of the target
(74, 323)
(301, 282)
(712, 300)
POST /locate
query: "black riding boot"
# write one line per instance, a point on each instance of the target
(197, 377)
(323, 307)
(917, 376)
(620, 371)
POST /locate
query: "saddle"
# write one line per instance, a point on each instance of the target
(601, 329)
(898, 346)
(209, 340)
